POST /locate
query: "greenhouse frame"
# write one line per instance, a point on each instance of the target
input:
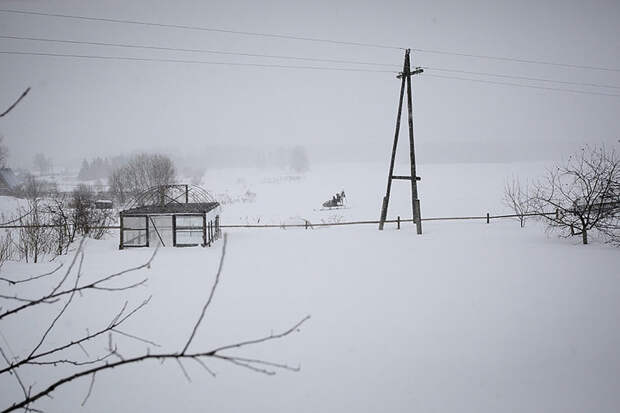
(174, 224)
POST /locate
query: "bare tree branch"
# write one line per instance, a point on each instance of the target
(23, 95)
(163, 356)
(94, 365)
(96, 285)
(36, 277)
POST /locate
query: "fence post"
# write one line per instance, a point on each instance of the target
(488, 218)
(398, 222)
(306, 222)
(557, 213)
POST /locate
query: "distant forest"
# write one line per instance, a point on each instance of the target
(294, 158)
(100, 168)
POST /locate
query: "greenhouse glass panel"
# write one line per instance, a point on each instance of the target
(134, 238)
(185, 237)
(134, 222)
(189, 221)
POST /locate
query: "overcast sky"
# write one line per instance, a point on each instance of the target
(81, 107)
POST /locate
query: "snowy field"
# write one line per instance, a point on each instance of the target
(468, 317)
(445, 190)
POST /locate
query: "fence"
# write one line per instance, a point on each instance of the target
(307, 224)
(397, 221)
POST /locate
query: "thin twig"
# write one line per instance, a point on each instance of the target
(208, 302)
(90, 389)
(36, 277)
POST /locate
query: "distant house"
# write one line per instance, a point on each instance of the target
(8, 181)
(103, 204)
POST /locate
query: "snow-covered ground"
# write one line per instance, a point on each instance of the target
(9, 207)
(468, 317)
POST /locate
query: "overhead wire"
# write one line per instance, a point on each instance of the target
(186, 61)
(299, 58)
(192, 50)
(537, 79)
(323, 68)
(312, 39)
(202, 28)
(523, 86)
(517, 60)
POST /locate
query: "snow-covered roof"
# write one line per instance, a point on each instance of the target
(172, 208)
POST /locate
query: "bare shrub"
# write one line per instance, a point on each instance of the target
(34, 236)
(518, 199)
(6, 247)
(60, 216)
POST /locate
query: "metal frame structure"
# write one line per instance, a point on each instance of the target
(173, 202)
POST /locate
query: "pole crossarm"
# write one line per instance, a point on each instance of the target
(416, 71)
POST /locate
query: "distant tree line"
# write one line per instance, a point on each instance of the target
(100, 168)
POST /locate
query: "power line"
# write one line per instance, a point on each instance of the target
(300, 58)
(537, 79)
(312, 39)
(323, 68)
(202, 28)
(176, 49)
(584, 92)
(517, 59)
(141, 59)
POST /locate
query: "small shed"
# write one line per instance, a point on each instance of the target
(176, 224)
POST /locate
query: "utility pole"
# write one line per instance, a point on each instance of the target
(405, 77)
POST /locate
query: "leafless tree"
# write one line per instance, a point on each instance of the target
(299, 159)
(517, 198)
(141, 172)
(42, 163)
(583, 191)
(68, 287)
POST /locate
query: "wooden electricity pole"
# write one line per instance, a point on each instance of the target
(405, 77)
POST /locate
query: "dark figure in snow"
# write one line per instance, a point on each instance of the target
(336, 201)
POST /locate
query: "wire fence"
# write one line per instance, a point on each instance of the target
(308, 224)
